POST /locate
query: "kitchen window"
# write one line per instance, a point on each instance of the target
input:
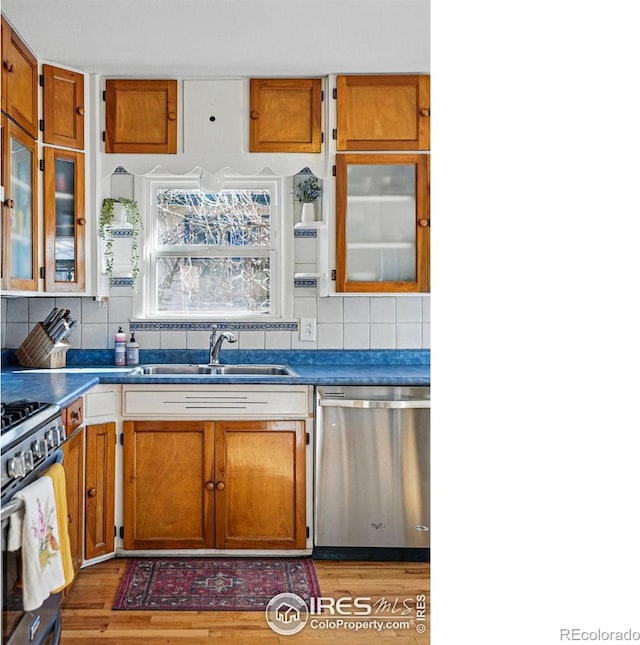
(214, 254)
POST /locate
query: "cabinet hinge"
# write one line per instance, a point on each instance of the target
(334, 133)
(335, 92)
(115, 531)
(321, 95)
(41, 80)
(333, 274)
(333, 171)
(42, 272)
(307, 438)
(41, 164)
(104, 95)
(322, 137)
(41, 123)
(122, 438)
(122, 532)
(104, 136)
(307, 531)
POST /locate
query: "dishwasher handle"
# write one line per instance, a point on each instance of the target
(380, 403)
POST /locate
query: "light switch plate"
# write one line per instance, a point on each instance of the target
(307, 329)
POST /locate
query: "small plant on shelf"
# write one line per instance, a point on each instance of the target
(308, 190)
(106, 226)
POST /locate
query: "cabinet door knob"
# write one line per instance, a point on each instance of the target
(220, 485)
(254, 115)
(80, 111)
(172, 116)
(423, 223)
(209, 485)
(75, 415)
(92, 492)
(82, 221)
(9, 203)
(9, 66)
(424, 112)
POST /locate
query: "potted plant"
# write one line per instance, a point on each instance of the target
(307, 191)
(131, 220)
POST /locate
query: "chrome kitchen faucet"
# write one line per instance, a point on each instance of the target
(215, 343)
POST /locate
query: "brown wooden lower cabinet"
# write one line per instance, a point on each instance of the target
(73, 454)
(168, 484)
(252, 492)
(99, 489)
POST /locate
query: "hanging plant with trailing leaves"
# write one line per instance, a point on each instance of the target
(106, 226)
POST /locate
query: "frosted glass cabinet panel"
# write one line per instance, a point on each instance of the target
(19, 210)
(64, 220)
(382, 223)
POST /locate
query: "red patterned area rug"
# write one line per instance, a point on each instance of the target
(213, 584)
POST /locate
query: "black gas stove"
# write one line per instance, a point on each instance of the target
(31, 432)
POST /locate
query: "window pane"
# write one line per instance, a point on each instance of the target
(231, 217)
(214, 285)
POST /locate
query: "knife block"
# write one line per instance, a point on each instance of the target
(38, 350)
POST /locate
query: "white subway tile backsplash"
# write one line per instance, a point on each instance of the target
(330, 310)
(15, 334)
(150, 339)
(409, 309)
(278, 340)
(93, 312)
(382, 336)
(426, 309)
(74, 305)
(408, 336)
(356, 309)
(39, 308)
(94, 336)
(296, 343)
(426, 335)
(172, 339)
(382, 310)
(119, 310)
(250, 340)
(305, 308)
(356, 336)
(197, 339)
(17, 310)
(330, 336)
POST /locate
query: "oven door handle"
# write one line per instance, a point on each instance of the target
(362, 403)
(12, 507)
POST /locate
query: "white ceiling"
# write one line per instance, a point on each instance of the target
(204, 38)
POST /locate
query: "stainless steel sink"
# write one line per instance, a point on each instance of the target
(212, 370)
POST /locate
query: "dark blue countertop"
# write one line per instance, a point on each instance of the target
(317, 367)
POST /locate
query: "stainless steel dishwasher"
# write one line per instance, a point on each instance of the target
(372, 468)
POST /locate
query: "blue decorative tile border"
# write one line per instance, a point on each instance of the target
(121, 232)
(305, 282)
(305, 232)
(121, 282)
(143, 325)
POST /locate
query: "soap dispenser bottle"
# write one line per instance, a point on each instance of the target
(133, 351)
(120, 354)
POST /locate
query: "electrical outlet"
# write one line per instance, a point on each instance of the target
(307, 329)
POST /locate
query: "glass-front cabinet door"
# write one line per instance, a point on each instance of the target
(19, 210)
(64, 220)
(382, 223)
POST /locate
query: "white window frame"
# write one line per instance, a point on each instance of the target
(280, 252)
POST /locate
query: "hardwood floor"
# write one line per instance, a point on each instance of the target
(87, 615)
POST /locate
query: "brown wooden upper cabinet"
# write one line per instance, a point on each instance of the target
(141, 116)
(19, 209)
(19, 81)
(63, 107)
(382, 222)
(285, 115)
(383, 112)
(64, 220)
